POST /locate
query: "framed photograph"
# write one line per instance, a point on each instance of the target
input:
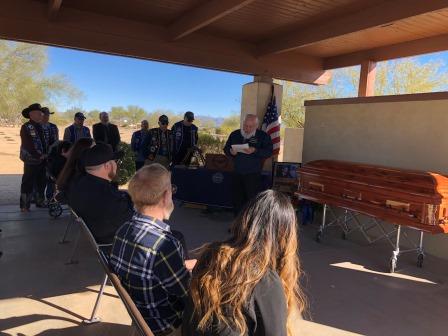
(285, 176)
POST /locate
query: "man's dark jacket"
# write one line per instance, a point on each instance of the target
(250, 163)
(101, 205)
(152, 142)
(107, 134)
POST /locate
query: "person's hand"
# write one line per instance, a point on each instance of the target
(249, 150)
(190, 263)
(233, 152)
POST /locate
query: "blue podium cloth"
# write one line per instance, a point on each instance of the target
(208, 187)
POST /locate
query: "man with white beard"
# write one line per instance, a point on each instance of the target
(248, 162)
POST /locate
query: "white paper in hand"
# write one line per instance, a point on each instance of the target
(240, 148)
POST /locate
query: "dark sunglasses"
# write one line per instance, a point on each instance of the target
(163, 123)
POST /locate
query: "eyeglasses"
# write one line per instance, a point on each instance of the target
(163, 123)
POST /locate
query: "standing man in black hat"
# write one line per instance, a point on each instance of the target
(158, 144)
(33, 153)
(77, 131)
(105, 132)
(185, 137)
(51, 131)
(51, 135)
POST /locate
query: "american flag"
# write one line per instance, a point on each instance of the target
(271, 124)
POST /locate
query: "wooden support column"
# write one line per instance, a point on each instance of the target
(53, 9)
(367, 79)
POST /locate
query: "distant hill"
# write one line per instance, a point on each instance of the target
(218, 120)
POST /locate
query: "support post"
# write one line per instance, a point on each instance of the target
(255, 99)
(367, 79)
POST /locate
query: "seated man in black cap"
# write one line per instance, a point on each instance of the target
(77, 131)
(158, 144)
(95, 199)
(33, 153)
(185, 138)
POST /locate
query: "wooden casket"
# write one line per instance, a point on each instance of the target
(405, 197)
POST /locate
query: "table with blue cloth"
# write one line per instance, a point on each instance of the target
(207, 187)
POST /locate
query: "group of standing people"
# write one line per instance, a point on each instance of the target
(165, 146)
(43, 154)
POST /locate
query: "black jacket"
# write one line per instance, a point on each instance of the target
(249, 163)
(108, 134)
(151, 143)
(265, 313)
(102, 206)
(32, 145)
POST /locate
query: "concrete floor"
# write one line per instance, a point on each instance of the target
(349, 291)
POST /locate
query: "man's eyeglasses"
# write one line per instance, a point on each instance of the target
(163, 123)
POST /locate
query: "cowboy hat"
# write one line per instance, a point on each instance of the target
(32, 107)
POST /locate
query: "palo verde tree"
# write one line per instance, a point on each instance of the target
(23, 81)
(403, 76)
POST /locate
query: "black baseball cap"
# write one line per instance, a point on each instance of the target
(99, 154)
(189, 115)
(163, 119)
(80, 115)
(46, 111)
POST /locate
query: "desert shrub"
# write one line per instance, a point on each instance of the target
(126, 166)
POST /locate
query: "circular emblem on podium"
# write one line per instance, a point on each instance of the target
(217, 178)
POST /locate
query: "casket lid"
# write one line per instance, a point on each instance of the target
(405, 180)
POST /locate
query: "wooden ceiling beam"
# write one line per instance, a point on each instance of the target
(24, 20)
(406, 49)
(53, 8)
(385, 13)
(204, 15)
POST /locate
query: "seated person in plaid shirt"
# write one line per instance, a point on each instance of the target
(147, 256)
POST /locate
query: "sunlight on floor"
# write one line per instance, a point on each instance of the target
(309, 328)
(360, 268)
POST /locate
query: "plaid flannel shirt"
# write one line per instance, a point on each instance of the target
(149, 261)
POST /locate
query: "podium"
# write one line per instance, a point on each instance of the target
(207, 187)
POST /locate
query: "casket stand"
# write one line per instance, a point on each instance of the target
(415, 199)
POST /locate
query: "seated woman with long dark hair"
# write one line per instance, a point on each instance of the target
(249, 284)
(72, 166)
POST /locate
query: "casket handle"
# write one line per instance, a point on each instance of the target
(316, 186)
(401, 206)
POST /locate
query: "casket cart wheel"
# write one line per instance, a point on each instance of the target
(319, 236)
(392, 265)
(420, 259)
(55, 210)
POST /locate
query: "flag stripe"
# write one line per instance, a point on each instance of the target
(271, 125)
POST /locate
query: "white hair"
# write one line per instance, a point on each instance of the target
(251, 116)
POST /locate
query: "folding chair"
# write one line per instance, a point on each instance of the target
(97, 247)
(73, 217)
(141, 327)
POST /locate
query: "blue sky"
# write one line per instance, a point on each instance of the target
(119, 81)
